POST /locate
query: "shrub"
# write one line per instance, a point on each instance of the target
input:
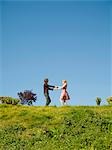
(9, 100)
(109, 100)
(98, 101)
(27, 97)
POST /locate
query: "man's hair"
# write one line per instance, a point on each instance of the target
(46, 80)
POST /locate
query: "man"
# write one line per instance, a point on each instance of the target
(46, 91)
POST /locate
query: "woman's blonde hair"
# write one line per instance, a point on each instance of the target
(65, 81)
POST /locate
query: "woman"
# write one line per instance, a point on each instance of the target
(64, 94)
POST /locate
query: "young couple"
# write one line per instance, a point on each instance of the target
(64, 94)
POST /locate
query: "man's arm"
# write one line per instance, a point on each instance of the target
(50, 87)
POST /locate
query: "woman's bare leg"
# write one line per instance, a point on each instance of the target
(62, 102)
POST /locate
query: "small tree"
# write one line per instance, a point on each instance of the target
(27, 97)
(109, 100)
(98, 101)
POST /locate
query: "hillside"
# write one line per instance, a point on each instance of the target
(55, 128)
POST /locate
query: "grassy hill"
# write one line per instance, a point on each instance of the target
(55, 128)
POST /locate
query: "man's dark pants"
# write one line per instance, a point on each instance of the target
(48, 100)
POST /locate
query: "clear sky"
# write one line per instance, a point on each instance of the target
(58, 40)
(0, 49)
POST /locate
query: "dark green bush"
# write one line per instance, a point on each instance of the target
(98, 101)
(9, 100)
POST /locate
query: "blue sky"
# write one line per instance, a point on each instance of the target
(58, 40)
(0, 51)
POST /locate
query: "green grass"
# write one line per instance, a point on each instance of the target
(55, 128)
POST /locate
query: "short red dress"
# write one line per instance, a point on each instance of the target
(64, 94)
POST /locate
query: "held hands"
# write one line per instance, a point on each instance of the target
(56, 88)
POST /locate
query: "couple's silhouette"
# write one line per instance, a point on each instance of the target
(64, 94)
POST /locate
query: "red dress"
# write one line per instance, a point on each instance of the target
(64, 94)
